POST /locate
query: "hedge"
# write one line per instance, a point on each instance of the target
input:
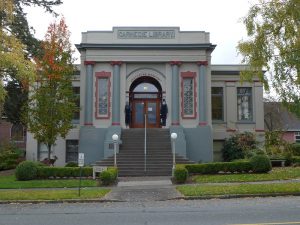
(47, 172)
(109, 176)
(180, 174)
(214, 168)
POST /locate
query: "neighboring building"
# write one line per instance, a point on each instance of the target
(12, 133)
(277, 117)
(142, 66)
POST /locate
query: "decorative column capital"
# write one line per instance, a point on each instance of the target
(177, 63)
(202, 63)
(113, 63)
(89, 63)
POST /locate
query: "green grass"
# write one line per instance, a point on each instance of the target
(276, 174)
(10, 182)
(208, 190)
(52, 194)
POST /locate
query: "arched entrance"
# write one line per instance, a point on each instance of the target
(145, 95)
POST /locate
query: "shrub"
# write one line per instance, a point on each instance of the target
(10, 156)
(214, 168)
(296, 149)
(261, 164)
(71, 164)
(47, 172)
(180, 175)
(296, 160)
(238, 146)
(109, 176)
(26, 170)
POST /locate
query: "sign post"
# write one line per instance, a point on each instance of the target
(80, 164)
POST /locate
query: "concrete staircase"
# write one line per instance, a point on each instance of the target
(130, 159)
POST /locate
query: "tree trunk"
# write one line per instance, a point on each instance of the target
(49, 152)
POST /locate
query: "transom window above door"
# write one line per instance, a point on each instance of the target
(145, 87)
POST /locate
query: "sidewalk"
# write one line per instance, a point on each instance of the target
(136, 189)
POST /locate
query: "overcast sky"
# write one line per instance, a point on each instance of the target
(221, 18)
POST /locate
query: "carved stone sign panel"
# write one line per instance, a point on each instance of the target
(146, 34)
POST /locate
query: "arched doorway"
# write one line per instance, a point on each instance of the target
(145, 95)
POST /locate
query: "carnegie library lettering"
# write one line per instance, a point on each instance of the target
(146, 34)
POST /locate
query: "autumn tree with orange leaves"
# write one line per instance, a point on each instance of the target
(52, 103)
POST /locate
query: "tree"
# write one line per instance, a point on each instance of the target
(17, 45)
(15, 100)
(273, 27)
(52, 103)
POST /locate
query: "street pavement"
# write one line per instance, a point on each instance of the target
(279, 210)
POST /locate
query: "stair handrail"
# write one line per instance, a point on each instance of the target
(145, 145)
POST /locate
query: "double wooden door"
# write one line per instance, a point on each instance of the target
(145, 110)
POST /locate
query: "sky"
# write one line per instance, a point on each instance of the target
(222, 19)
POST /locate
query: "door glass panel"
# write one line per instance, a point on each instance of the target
(151, 109)
(139, 112)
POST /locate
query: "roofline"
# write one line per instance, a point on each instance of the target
(84, 46)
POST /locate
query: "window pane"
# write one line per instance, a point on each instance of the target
(188, 96)
(76, 91)
(71, 150)
(244, 103)
(103, 96)
(217, 103)
(17, 132)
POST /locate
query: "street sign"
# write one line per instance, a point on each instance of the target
(80, 159)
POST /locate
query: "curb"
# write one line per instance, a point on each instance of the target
(177, 198)
(235, 196)
(58, 201)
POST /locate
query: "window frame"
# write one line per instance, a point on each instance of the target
(297, 134)
(76, 120)
(23, 133)
(99, 76)
(189, 75)
(249, 105)
(66, 158)
(223, 105)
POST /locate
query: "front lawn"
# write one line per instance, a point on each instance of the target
(234, 189)
(10, 182)
(52, 194)
(285, 173)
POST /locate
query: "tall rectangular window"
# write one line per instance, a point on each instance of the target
(188, 95)
(76, 115)
(217, 108)
(244, 104)
(71, 150)
(103, 95)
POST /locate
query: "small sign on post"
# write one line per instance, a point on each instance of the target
(80, 164)
(80, 159)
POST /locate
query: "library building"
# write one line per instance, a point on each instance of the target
(140, 85)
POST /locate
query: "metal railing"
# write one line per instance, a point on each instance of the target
(145, 145)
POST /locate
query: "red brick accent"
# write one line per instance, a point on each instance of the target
(175, 123)
(202, 63)
(116, 124)
(259, 130)
(231, 130)
(116, 63)
(89, 63)
(178, 63)
(202, 123)
(88, 124)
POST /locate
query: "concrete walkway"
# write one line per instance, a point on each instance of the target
(139, 189)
